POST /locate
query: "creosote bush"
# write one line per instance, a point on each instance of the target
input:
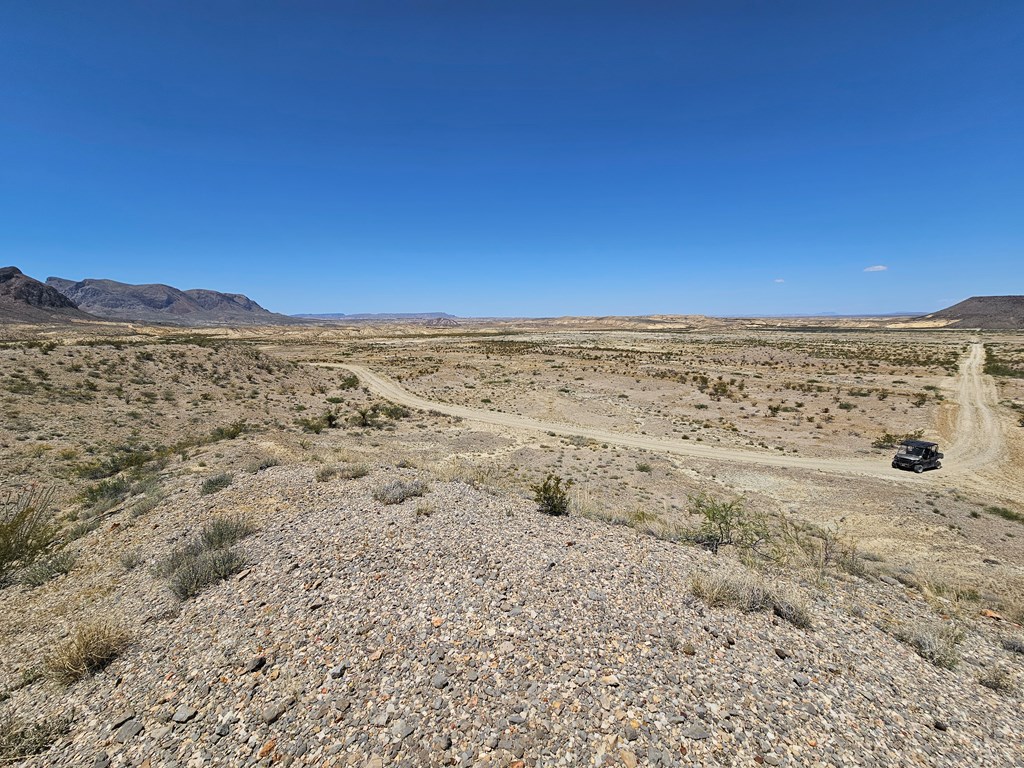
(90, 648)
(552, 496)
(727, 523)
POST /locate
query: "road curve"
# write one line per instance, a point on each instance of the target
(858, 467)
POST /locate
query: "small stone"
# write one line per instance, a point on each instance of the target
(401, 729)
(772, 759)
(695, 731)
(375, 761)
(121, 718)
(127, 731)
(337, 671)
(183, 714)
(256, 664)
(440, 680)
(801, 680)
(782, 653)
(941, 725)
(628, 758)
(517, 719)
(102, 761)
(272, 712)
(222, 730)
(611, 680)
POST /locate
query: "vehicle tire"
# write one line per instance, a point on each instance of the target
(918, 468)
(938, 465)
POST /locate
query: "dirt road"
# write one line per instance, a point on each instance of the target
(977, 443)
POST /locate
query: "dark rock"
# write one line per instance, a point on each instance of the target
(696, 731)
(183, 714)
(128, 731)
(256, 664)
(272, 712)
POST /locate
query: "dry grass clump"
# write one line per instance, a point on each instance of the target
(997, 679)
(325, 474)
(398, 491)
(936, 642)
(353, 471)
(224, 530)
(90, 648)
(484, 476)
(751, 594)
(20, 739)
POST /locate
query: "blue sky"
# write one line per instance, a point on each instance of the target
(500, 158)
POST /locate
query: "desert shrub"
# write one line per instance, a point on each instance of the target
(106, 493)
(42, 570)
(997, 679)
(131, 559)
(727, 523)
(20, 739)
(228, 432)
(146, 505)
(262, 463)
(325, 474)
(750, 594)
(552, 496)
(83, 528)
(397, 491)
(27, 530)
(353, 471)
(90, 648)
(207, 558)
(643, 466)
(209, 567)
(216, 483)
(936, 643)
(224, 530)
(351, 381)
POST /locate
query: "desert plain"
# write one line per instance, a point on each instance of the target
(389, 594)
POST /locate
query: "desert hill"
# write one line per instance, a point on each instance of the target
(26, 300)
(158, 303)
(993, 312)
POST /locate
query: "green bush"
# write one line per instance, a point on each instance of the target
(890, 440)
(27, 530)
(727, 523)
(41, 571)
(552, 496)
(216, 483)
(211, 566)
(224, 530)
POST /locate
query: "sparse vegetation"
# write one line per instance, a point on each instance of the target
(890, 440)
(44, 569)
(397, 491)
(208, 558)
(216, 483)
(20, 739)
(937, 643)
(998, 679)
(552, 495)
(91, 647)
(727, 523)
(27, 529)
(749, 593)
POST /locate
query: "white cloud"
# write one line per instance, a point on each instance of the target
(779, 280)
(876, 268)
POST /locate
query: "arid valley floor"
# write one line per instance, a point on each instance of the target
(388, 594)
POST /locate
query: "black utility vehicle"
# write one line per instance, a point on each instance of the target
(917, 455)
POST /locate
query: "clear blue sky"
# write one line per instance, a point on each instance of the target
(520, 158)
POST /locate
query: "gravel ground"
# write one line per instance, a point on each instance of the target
(463, 628)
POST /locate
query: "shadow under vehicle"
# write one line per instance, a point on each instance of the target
(917, 455)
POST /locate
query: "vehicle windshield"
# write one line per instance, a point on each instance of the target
(911, 450)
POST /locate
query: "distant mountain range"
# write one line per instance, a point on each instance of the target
(378, 316)
(163, 304)
(989, 312)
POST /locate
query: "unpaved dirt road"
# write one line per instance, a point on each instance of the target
(978, 441)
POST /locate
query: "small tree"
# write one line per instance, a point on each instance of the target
(552, 496)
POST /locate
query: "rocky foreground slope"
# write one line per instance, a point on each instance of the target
(464, 628)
